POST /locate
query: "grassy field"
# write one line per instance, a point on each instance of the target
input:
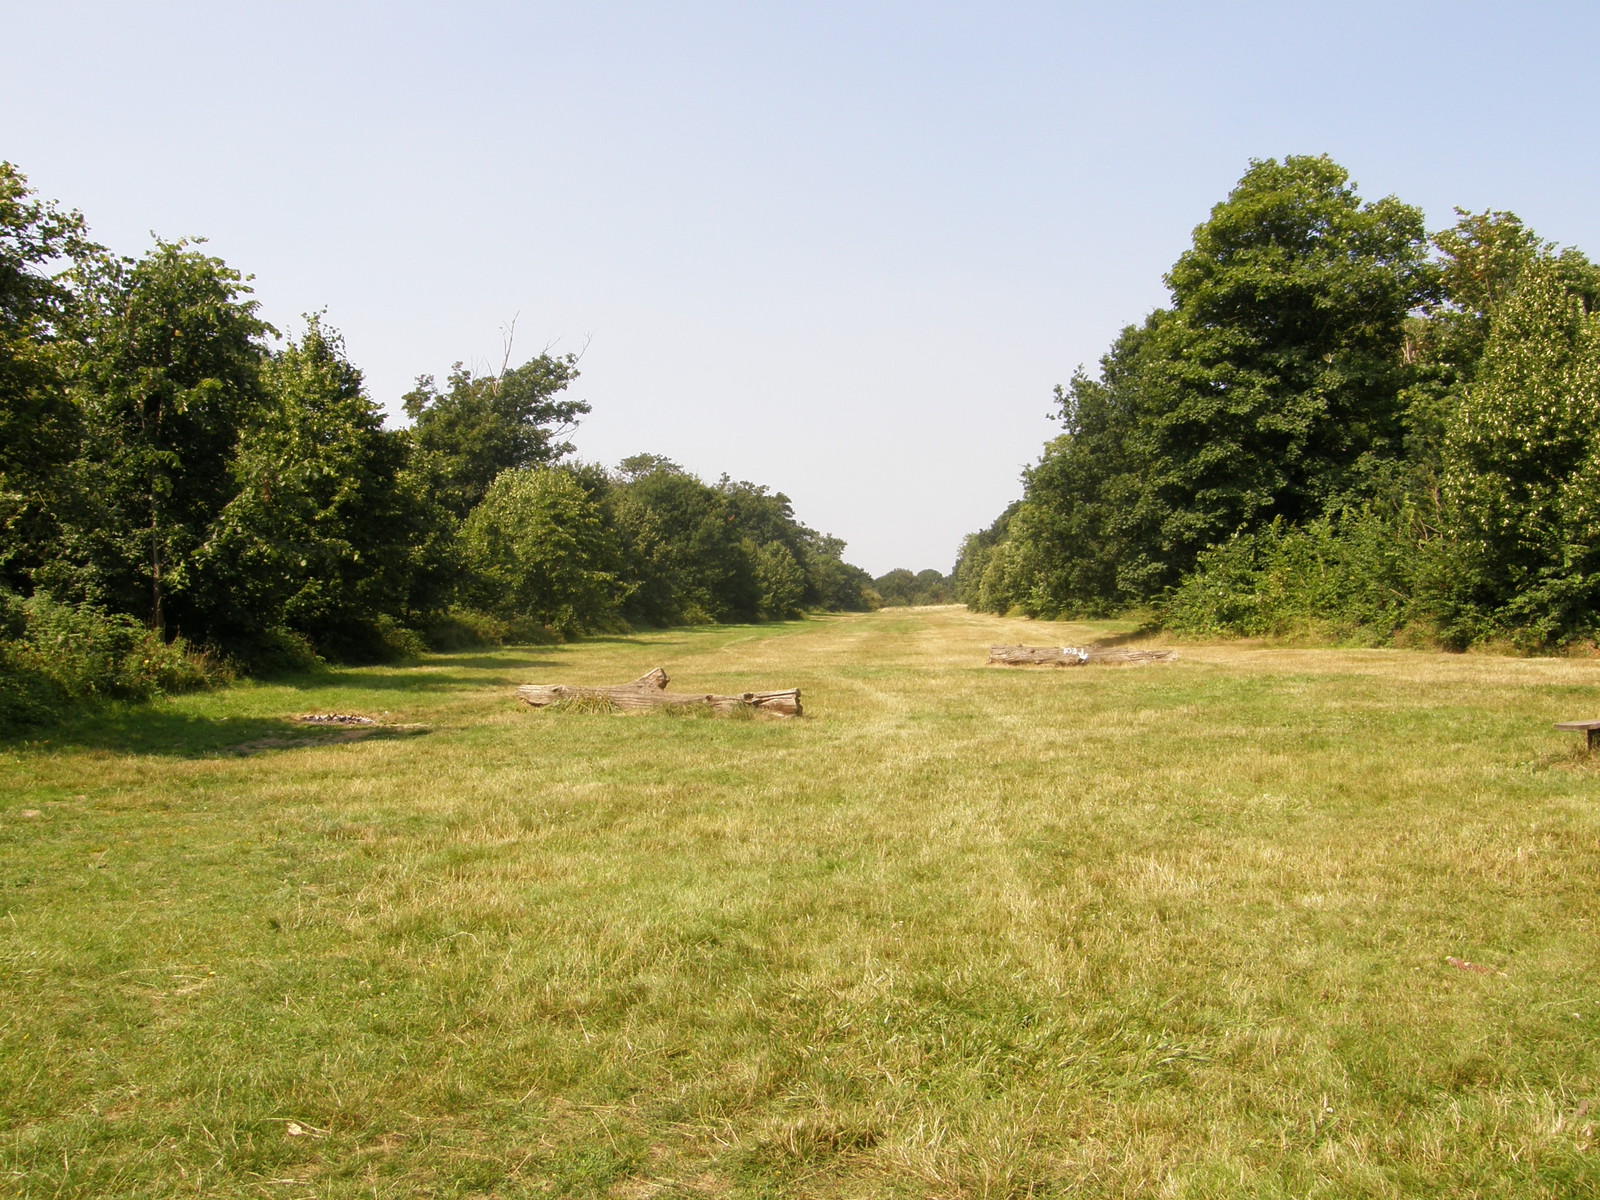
(1172, 930)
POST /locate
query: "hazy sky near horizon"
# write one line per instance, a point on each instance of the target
(846, 250)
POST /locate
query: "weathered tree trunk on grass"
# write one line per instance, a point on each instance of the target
(1070, 656)
(1040, 656)
(649, 692)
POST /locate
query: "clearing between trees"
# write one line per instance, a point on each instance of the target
(1252, 921)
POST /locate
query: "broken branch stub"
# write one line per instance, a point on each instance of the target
(1070, 656)
(649, 692)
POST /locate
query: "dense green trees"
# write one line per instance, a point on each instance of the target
(1339, 423)
(901, 587)
(39, 425)
(730, 552)
(1276, 384)
(319, 533)
(538, 547)
(481, 425)
(174, 476)
(683, 549)
(168, 380)
(1521, 480)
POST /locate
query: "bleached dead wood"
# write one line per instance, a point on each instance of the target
(1042, 656)
(1071, 656)
(649, 691)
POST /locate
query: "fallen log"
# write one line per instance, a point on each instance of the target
(1070, 656)
(649, 692)
(1042, 656)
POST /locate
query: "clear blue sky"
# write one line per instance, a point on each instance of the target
(846, 250)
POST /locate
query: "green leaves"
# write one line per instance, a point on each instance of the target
(317, 537)
(39, 425)
(1329, 428)
(540, 548)
(1522, 464)
(170, 375)
(780, 579)
(1283, 360)
(1270, 390)
(160, 461)
(482, 425)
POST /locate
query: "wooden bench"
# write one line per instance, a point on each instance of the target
(1592, 728)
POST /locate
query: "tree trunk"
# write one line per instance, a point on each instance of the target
(649, 691)
(158, 615)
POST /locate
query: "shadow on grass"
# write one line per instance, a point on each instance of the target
(172, 735)
(495, 662)
(154, 731)
(418, 680)
(1123, 639)
(622, 639)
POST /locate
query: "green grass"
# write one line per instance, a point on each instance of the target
(1168, 930)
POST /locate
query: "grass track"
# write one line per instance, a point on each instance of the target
(1171, 930)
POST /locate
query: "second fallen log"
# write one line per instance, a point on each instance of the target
(1070, 656)
(649, 692)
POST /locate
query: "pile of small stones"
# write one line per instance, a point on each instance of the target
(334, 719)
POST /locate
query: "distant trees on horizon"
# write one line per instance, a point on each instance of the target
(901, 587)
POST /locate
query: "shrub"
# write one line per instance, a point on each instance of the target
(376, 639)
(467, 629)
(1351, 578)
(56, 656)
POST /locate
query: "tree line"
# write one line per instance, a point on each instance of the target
(901, 587)
(182, 491)
(1340, 424)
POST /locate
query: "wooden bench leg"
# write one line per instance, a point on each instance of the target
(1594, 737)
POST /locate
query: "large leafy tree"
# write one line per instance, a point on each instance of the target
(1522, 466)
(171, 376)
(833, 584)
(780, 581)
(39, 427)
(897, 587)
(539, 549)
(1269, 391)
(1481, 260)
(481, 425)
(779, 546)
(900, 587)
(318, 535)
(977, 549)
(1282, 366)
